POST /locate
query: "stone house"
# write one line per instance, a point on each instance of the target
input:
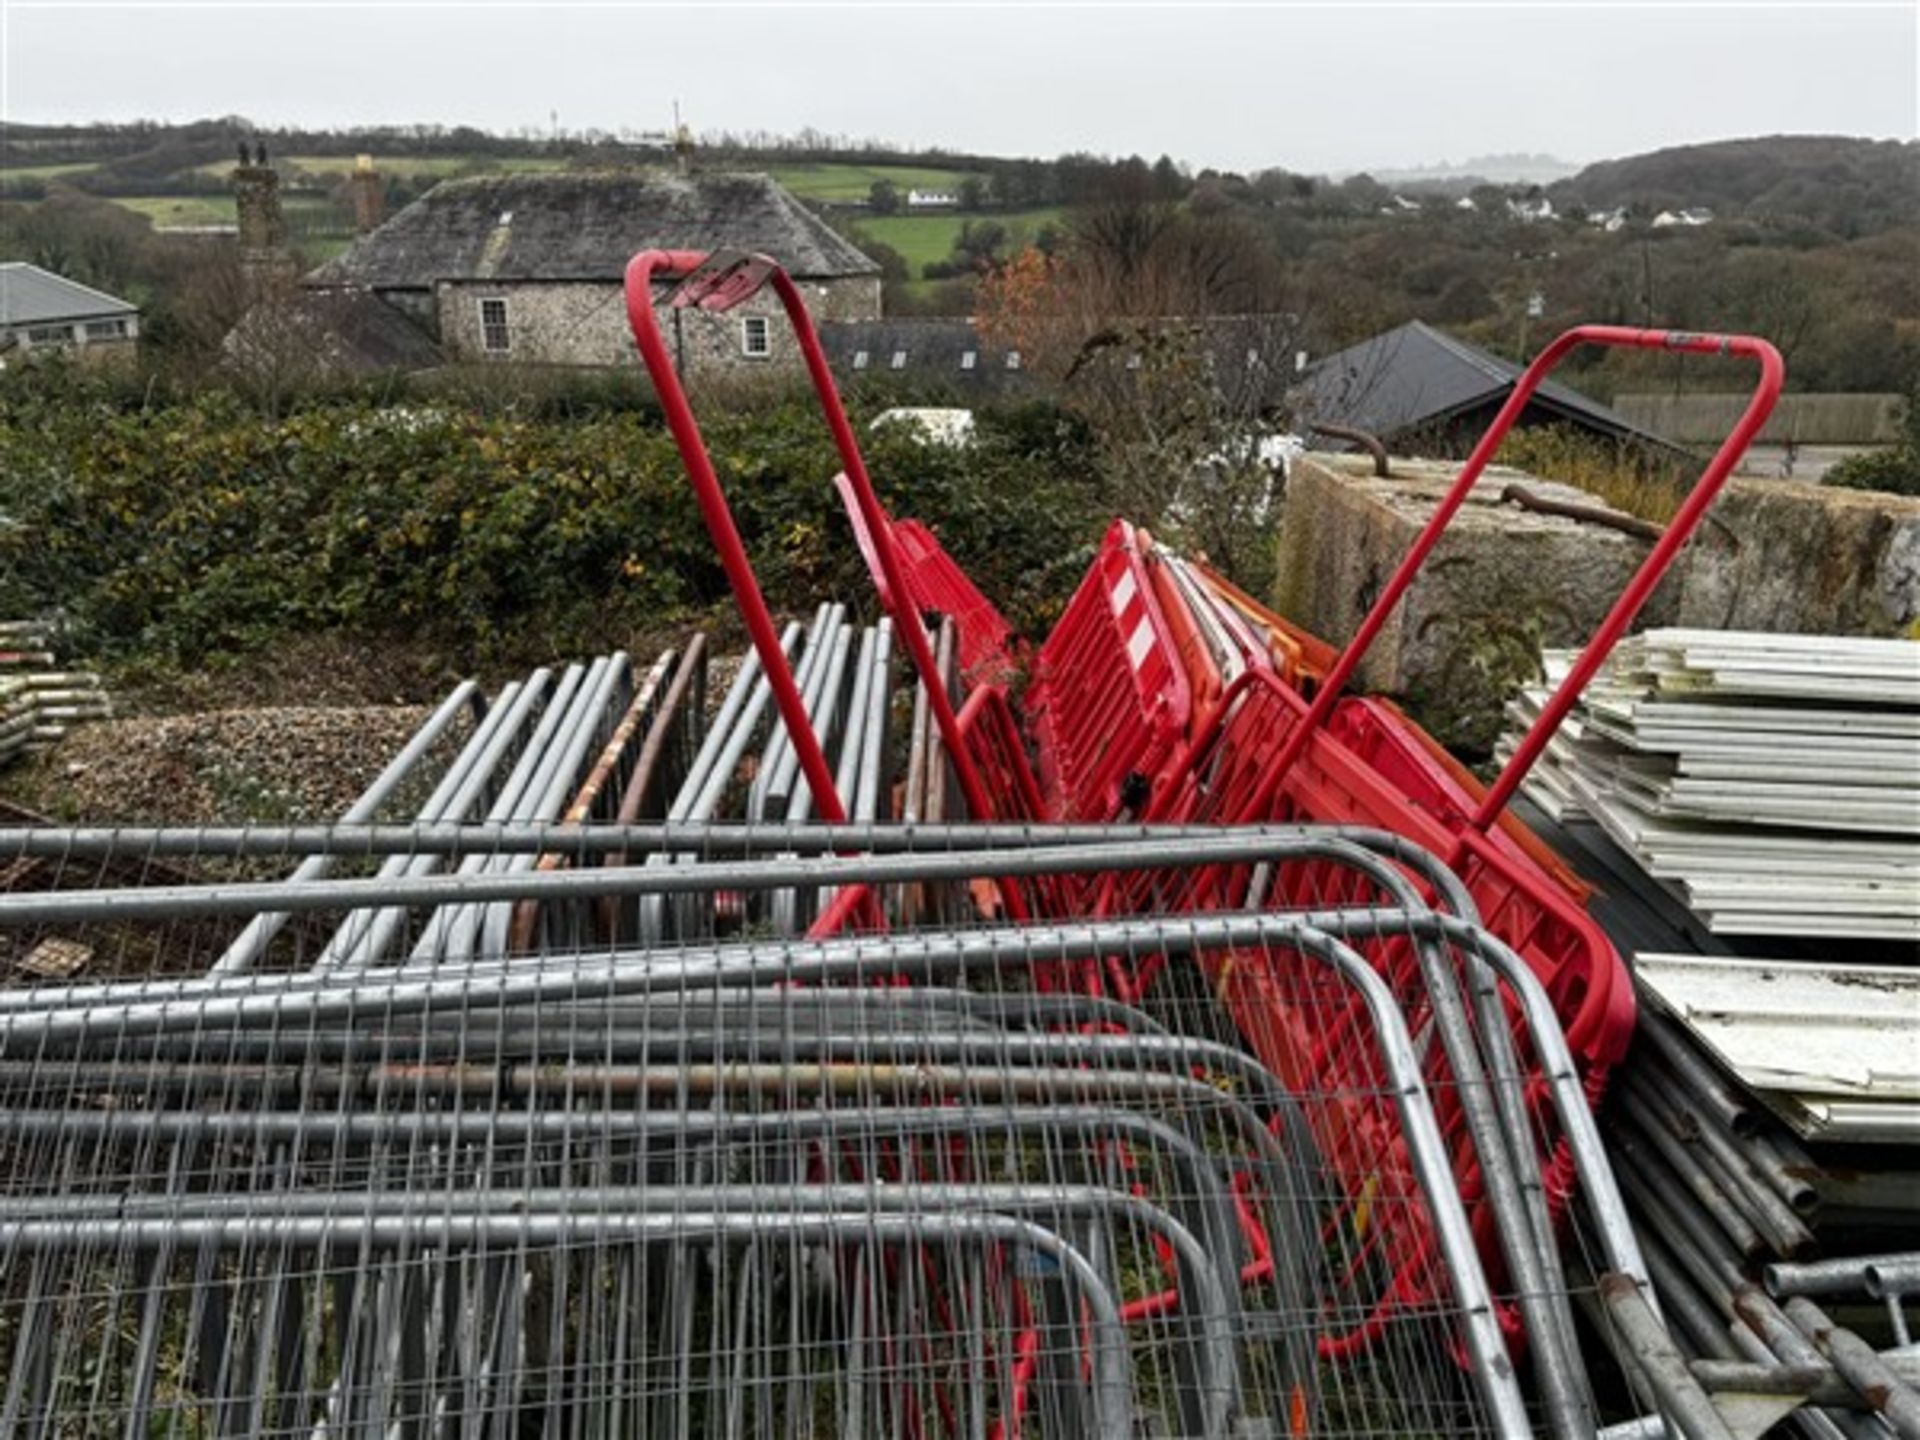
(42, 311)
(530, 268)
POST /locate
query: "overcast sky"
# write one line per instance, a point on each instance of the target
(1312, 87)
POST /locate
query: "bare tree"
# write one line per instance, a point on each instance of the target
(1171, 334)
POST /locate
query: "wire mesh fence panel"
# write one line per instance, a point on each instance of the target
(534, 1114)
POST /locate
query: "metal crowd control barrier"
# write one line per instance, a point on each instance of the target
(612, 1188)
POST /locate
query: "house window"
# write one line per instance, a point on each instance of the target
(967, 357)
(1013, 359)
(859, 359)
(49, 335)
(899, 359)
(106, 329)
(493, 327)
(756, 340)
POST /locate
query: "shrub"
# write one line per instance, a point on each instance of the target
(194, 526)
(1895, 469)
(1626, 476)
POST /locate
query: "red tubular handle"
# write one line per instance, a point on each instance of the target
(1652, 569)
(730, 289)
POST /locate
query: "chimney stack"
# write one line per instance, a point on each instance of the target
(367, 191)
(263, 229)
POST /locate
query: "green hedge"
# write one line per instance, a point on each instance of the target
(198, 527)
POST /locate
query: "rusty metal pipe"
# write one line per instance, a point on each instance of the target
(1369, 443)
(1587, 514)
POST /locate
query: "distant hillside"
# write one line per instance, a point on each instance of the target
(1843, 186)
(1514, 169)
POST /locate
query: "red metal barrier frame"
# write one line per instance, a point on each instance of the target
(1652, 569)
(719, 282)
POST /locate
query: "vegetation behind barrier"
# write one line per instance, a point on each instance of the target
(193, 526)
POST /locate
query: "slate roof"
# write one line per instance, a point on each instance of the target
(338, 331)
(1417, 376)
(933, 349)
(32, 296)
(586, 226)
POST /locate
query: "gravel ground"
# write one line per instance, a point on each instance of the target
(287, 764)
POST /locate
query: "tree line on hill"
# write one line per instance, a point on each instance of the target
(1814, 242)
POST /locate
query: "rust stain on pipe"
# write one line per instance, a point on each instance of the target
(526, 915)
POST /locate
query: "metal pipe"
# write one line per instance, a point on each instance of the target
(1709, 1199)
(781, 763)
(1663, 1367)
(1699, 1082)
(1820, 1383)
(469, 885)
(586, 725)
(1897, 1402)
(729, 735)
(362, 935)
(526, 917)
(254, 940)
(868, 797)
(1893, 1277)
(1852, 1275)
(506, 805)
(451, 839)
(1727, 1162)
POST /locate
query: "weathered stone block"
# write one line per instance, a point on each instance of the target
(1805, 559)
(1502, 583)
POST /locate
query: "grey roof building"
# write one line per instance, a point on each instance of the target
(1249, 357)
(530, 267)
(1419, 382)
(586, 226)
(935, 351)
(329, 332)
(40, 310)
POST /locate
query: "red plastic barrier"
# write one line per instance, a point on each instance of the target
(1317, 1037)
(1109, 706)
(1204, 682)
(989, 649)
(1394, 744)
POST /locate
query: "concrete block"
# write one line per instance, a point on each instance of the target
(1502, 583)
(1806, 559)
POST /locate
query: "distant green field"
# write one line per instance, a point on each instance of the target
(406, 164)
(46, 172)
(854, 182)
(922, 239)
(218, 209)
(181, 209)
(320, 248)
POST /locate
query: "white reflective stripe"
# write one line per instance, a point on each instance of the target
(1140, 642)
(1123, 592)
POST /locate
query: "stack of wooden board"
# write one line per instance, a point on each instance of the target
(1772, 781)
